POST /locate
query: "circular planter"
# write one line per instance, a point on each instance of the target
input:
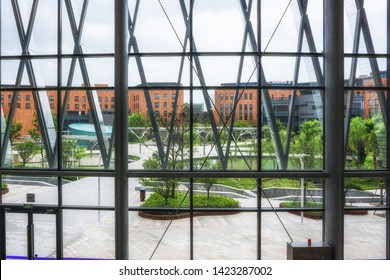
(310, 215)
(155, 216)
(4, 191)
(318, 215)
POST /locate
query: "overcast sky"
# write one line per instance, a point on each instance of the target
(218, 26)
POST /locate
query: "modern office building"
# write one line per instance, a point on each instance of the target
(308, 105)
(274, 185)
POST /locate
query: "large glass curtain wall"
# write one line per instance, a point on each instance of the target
(193, 129)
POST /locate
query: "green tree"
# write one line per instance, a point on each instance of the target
(380, 141)
(71, 153)
(35, 134)
(208, 182)
(137, 120)
(27, 150)
(178, 152)
(268, 142)
(362, 141)
(306, 148)
(307, 145)
(16, 129)
(163, 186)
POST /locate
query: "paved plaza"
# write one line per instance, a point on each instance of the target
(90, 234)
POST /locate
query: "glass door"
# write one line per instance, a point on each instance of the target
(30, 234)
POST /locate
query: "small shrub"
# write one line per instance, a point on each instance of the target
(4, 186)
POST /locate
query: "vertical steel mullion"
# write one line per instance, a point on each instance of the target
(58, 149)
(334, 127)
(388, 136)
(121, 134)
(30, 235)
(3, 243)
(259, 134)
(1, 106)
(191, 19)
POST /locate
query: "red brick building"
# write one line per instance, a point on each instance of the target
(371, 101)
(246, 108)
(162, 102)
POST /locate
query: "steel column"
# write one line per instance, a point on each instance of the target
(334, 119)
(387, 116)
(121, 145)
(259, 135)
(30, 236)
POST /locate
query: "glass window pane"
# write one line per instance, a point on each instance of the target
(156, 239)
(275, 237)
(212, 243)
(88, 234)
(365, 236)
(367, 131)
(91, 191)
(20, 187)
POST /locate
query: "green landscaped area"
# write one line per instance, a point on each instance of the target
(183, 201)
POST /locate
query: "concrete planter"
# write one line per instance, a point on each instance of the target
(4, 191)
(181, 215)
(318, 215)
